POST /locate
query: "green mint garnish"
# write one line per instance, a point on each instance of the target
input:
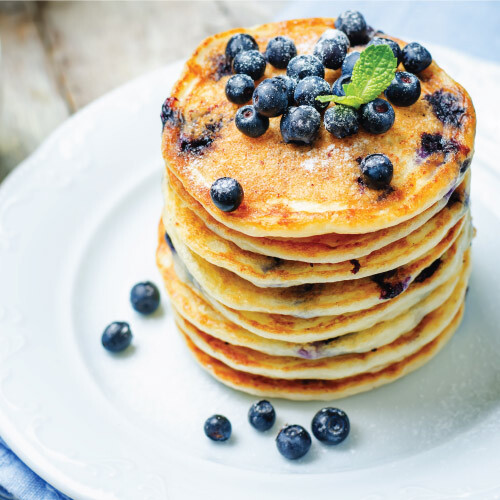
(372, 74)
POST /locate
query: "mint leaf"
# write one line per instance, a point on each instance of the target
(372, 74)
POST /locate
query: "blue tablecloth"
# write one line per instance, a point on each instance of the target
(470, 27)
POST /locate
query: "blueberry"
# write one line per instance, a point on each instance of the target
(251, 63)
(377, 116)
(377, 171)
(270, 98)
(261, 415)
(416, 57)
(217, 428)
(240, 43)
(337, 34)
(169, 242)
(349, 62)
(305, 65)
(227, 194)
(331, 51)
(338, 84)
(341, 121)
(293, 441)
(396, 50)
(117, 336)
(300, 124)
(239, 89)
(289, 84)
(353, 24)
(330, 425)
(145, 297)
(404, 90)
(280, 50)
(308, 89)
(250, 123)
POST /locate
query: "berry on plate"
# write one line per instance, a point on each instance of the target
(145, 297)
(117, 336)
(293, 441)
(217, 428)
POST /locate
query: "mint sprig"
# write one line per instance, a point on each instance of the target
(372, 74)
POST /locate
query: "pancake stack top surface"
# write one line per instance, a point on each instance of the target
(315, 285)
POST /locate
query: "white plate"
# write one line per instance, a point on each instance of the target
(78, 225)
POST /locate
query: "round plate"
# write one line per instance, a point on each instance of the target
(78, 223)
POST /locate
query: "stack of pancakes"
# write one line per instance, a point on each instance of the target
(317, 286)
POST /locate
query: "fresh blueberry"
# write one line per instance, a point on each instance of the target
(227, 194)
(240, 43)
(251, 63)
(377, 116)
(341, 121)
(289, 84)
(145, 297)
(305, 65)
(330, 425)
(261, 415)
(250, 123)
(217, 428)
(416, 57)
(337, 34)
(308, 89)
(117, 336)
(293, 441)
(300, 124)
(404, 90)
(396, 50)
(349, 62)
(270, 98)
(377, 171)
(338, 84)
(280, 50)
(353, 24)
(239, 89)
(331, 51)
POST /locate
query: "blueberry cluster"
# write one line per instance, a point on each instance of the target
(330, 426)
(145, 299)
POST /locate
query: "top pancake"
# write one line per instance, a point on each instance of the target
(300, 191)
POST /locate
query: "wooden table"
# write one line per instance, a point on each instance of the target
(59, 56)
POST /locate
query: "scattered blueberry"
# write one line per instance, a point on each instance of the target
(446, 106)
(250, 123)
(270, 98)
(349, 62)
(305, 65)
(280, 50)
(289, 84)
(240, 43)
(261, 415)
(416, 57)
(332, 50)
(338, 84)
(217, 428)
(251, 63)
(377, 116)
(396, 50)
(300, 124)
(145, 297)
(341, 121)
(377, 171)
(404, 90)
(353, 24)
(239, 89)
(308, 89)
(293, 441)
(330, 425)
(227, 194)
(117, 336)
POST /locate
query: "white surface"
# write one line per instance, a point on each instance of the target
(78, 224)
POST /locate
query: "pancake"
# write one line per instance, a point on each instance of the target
(193, 308)
(265, 271)
(298, 191)
(312, 300)
(323, 249)
(325, 390)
